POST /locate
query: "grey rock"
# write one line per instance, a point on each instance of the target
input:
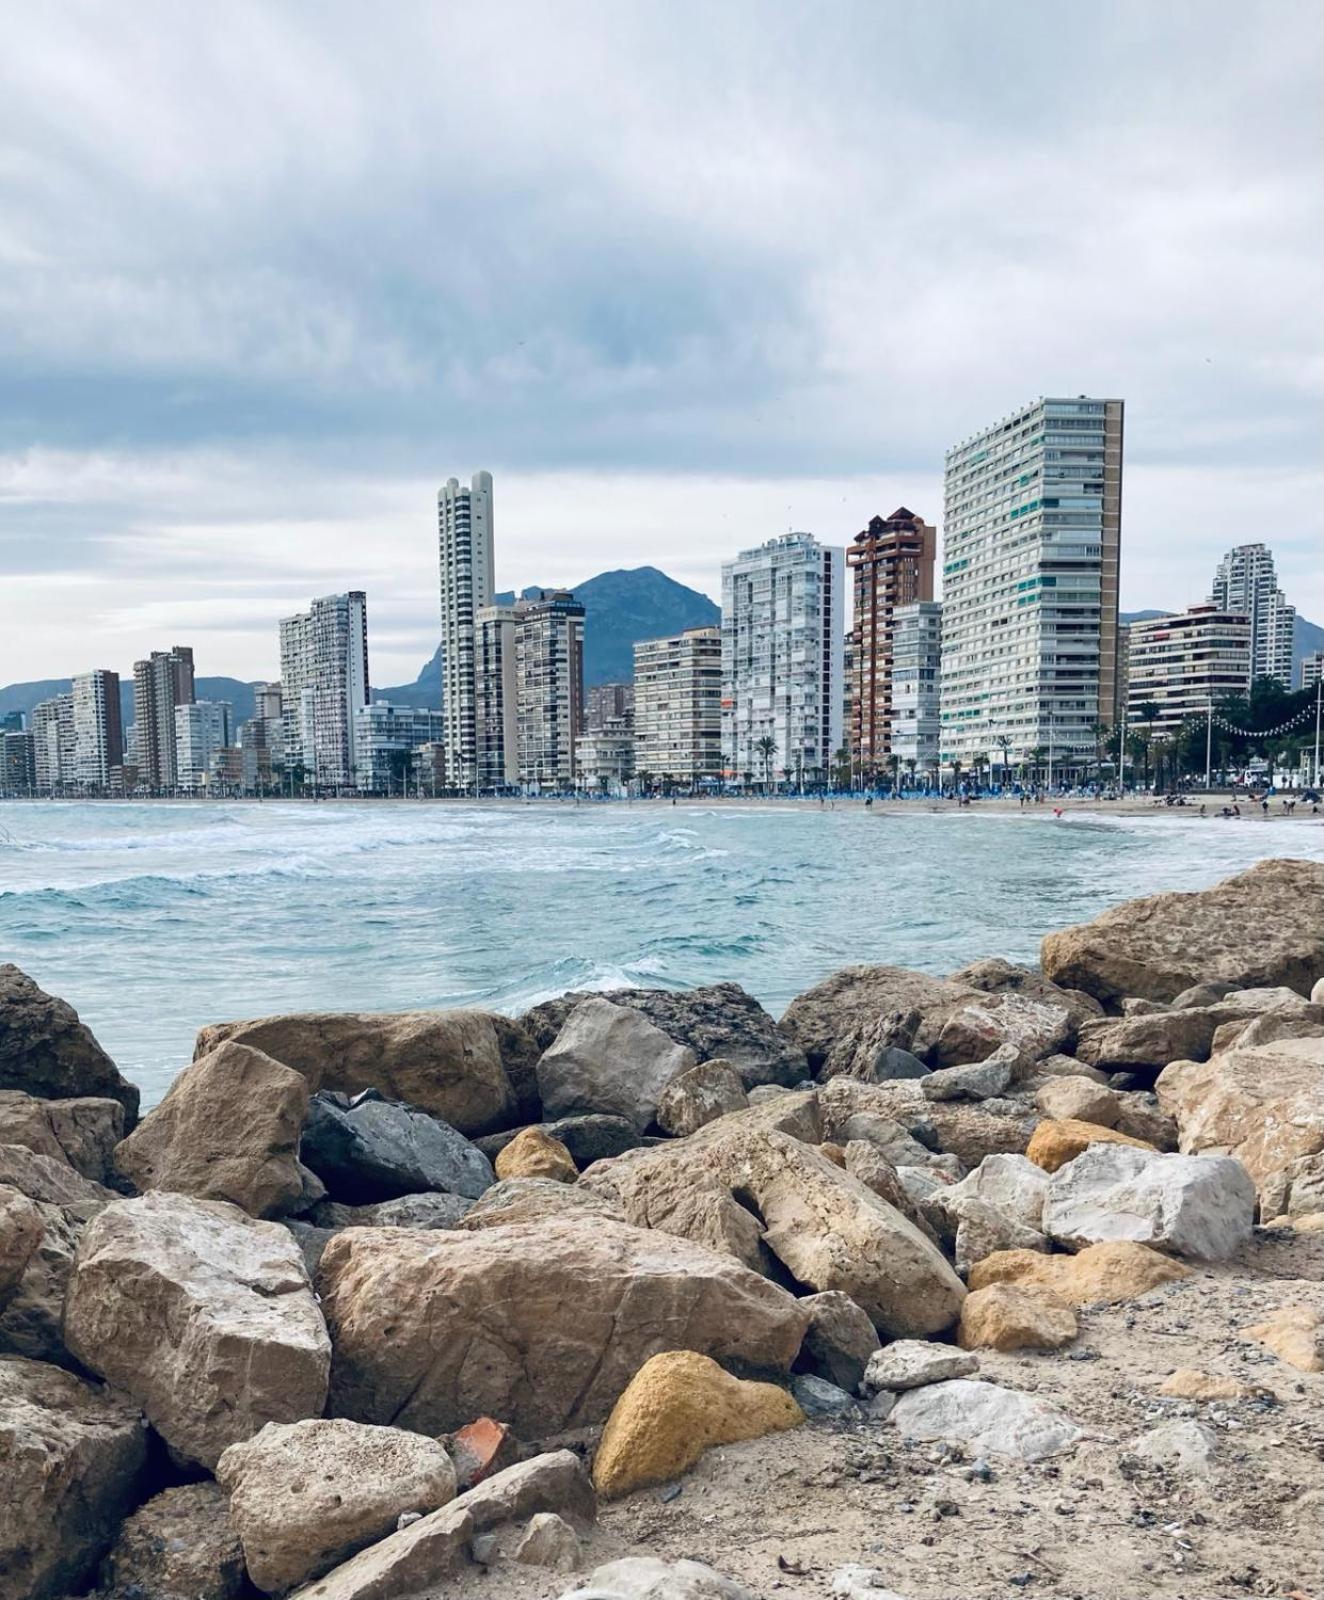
(818, 1398)
(609, 1058)
(1011, 1184)
(409, 1211)
(982, 1230)
(982, 1081)
(1200, 1206)
(854, 1582)
(913, 1363)
(839, 1340)
(180, 1545)
(650, 1578)
(531, 1199)
(548, 1541)
(370, 1149)
(985, 1418)
(80, 1132)
(1182, 1446)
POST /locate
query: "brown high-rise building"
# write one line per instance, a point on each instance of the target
(892, 560)
(162, 682)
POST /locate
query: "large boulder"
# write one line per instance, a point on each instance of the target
(1056, 1143)
(535, 1154)
(1011, 1184)
(853, 1000)
(448, 1063)
(1005, 1316)
(542, 1325)
(676, 1406)
(409, 1211)
(700, 1095)
(31, 1324)
(71, 1459)
(969, 1132)
(203, 1316)
(994, 975)
(21, 1228)
(839, 1340)
(371, 1149)
(1264, 1105)
(532, 1199)
(422, 1555)
(305, 1496)
(46, 1051)
(1258, 929)
(1105, 1273)
(81, 1132)
(824, 1227)
(1200, 1206)
(1148, 1041)
(609, 1058)
(180, 1545)
(717, 1021)
(228, 1129)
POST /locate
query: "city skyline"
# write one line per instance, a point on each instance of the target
(675, 322)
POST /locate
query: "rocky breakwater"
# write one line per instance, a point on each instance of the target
(375, 1306)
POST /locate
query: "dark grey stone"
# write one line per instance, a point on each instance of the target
(370, 1149)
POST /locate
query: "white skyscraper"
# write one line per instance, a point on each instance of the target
(468, 583)
(782, 658)
(98, 730)
(1246, 582)
(324, 682)
(1031, 543)
(201, 729)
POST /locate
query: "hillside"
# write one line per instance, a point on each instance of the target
(620, 608)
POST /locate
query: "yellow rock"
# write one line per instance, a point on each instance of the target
(535, 1154)
(1101, 1273)
(1295, 1334)
(1188, 1383)
(1054, 1142)
(1007, 1316)
(678, 1405)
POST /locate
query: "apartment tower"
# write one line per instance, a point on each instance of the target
(160, 683)
(1246, 582)
(1180, 666)
(468, 583)
(549, 673)
(1031, 544)
(678, 706)
(916, 665)
(324, 683)
(53, 743)
(891, 563)
(496, 698)
(782, 669)
(98, 728)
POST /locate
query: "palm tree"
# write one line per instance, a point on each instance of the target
(842, 765)
(1100, 730)
(894, 762)
(911, 764)
(767, 748)
(1037, 758)
(1003, 742)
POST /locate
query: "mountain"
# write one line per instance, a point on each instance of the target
(23, 696)
(620, 608)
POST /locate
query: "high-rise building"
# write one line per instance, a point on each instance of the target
(782, 670)
(496, 698)
(387, 738)
(465, 549)
(1182, 665)
(607, 703)
(1312, 669)
(202, 727)
(1031, 544)
(98, 731)
(891, 562)
(549, 669)
(604, 757)
(324, 682)
(18, 762)
(161, 683)
(916, 664)
(678, 706)
(53, 743)
(1245, 582)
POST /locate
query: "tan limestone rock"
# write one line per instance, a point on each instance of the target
(1258, 929)
(305, 1496)
(1295, 1334)
(81, 1132)
(71, 1459)
(46, 1051)
(531, 1199)
(1077, 1099)
(446, 1062)
(699, 1095)
(535, 1154)
(1054, 1143)
(1189, 1383)
(1105, 1273)
(542, 1325)
(1008, 1316)
(21, 1229)
(200, 1314)
(228, 1129)
(678, 1405)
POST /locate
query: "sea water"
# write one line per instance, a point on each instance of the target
(152, 919)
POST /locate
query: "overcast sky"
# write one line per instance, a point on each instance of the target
(681, 275)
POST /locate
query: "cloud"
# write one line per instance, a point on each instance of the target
(674, 272)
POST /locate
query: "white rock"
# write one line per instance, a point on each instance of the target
(648, 1578)
(983, 1230)
(1199, 1206)
(1262, 1002)
(1010, 1184)
(1184, 1446)
(980, 1081)
(989, 1419)
(548, 1541)
(1317, 993)
(861, 1583)
(609, 1058)
(909, 1363)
